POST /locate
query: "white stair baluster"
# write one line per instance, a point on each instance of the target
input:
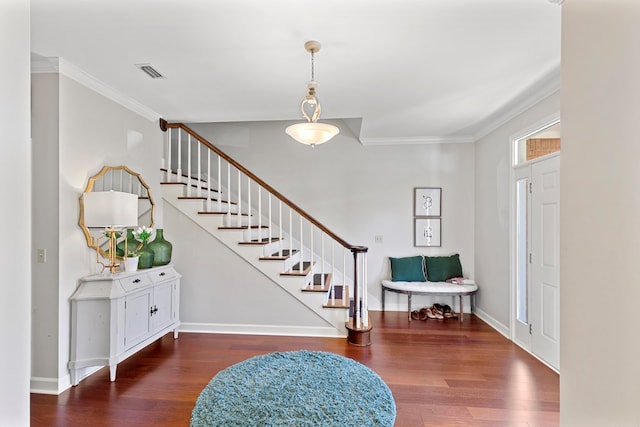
(365, 297)
(179, 155)
(322, 273)
(199, 177)
(332, 270)
(260, 213)
(249, 207)
(290, 231)
(280, 228)
(189, 165)
(208, 186)
(270, 224)
(167, 176)
(239, 199)
(219, 196)
(301, 246)
(229, 190)
(311, 251)
(344, 277)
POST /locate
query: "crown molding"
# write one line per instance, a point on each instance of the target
(417, 140)
(42, 65)
(60, 65)
(543, 88)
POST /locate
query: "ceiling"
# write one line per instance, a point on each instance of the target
(398, 71)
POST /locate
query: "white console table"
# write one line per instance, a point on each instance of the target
(115, 315)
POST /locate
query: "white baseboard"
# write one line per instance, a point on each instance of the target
(45, 385)
(295, 331)
(502, 329)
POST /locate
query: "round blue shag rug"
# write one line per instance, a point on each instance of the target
(298, 388)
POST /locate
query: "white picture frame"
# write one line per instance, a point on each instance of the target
(427, 202)
(427, 232)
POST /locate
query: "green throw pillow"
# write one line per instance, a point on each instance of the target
(408, 269)
(441, 268)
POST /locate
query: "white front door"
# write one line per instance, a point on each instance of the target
(521, 331)
(544, 277)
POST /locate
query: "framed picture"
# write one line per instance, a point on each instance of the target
(427, 232)
(427, 202)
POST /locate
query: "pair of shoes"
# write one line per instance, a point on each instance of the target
(433, 313)
(415, 315)
(423, 313)
(447, 312)
(438, 310)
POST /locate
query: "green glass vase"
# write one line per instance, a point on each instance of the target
(131, 244)
(161, 249)
(145, 256)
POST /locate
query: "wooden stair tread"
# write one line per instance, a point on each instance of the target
(338, 301)
(295, 270)
(204, 199)
(183, 175)
(263, 241)
(194, 186)
(316, 284)
(286, 254)
(220, 213)
(241, 227)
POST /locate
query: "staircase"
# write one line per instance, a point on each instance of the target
(269, 232)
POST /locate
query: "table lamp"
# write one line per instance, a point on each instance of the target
(111, 210)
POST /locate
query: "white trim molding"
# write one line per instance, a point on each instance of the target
(294, 331)
(541, 89)
(503, 329)
(40, 65)
(418, 140)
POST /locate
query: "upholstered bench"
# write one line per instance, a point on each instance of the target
(428, 275)
(468, 287)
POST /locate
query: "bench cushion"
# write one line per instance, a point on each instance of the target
(409, 269)
(441, 268)
(468, 286)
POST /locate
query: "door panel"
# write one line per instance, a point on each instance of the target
(545, 261)
(163, 301)
(137, 319)
(521, 295)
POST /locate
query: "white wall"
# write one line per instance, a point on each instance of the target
(92, 132)
(220, 292)
(15, 253)
(600, 220)
(359, 192)
(492, 183)
(44, 193)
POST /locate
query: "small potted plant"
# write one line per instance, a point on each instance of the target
(131, 261)
(145, 254)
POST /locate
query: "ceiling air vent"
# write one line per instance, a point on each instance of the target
(150, 71)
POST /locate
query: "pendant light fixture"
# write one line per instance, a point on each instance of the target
(311, 132)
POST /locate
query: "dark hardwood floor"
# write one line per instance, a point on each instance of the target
(440, 373)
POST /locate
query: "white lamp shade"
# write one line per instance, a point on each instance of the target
(312, 133)
(110, 209)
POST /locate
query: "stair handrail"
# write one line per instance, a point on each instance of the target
(164, 125)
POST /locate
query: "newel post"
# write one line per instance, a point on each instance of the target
(358, 326)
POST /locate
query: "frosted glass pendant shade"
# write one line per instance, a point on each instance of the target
(312, 133)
